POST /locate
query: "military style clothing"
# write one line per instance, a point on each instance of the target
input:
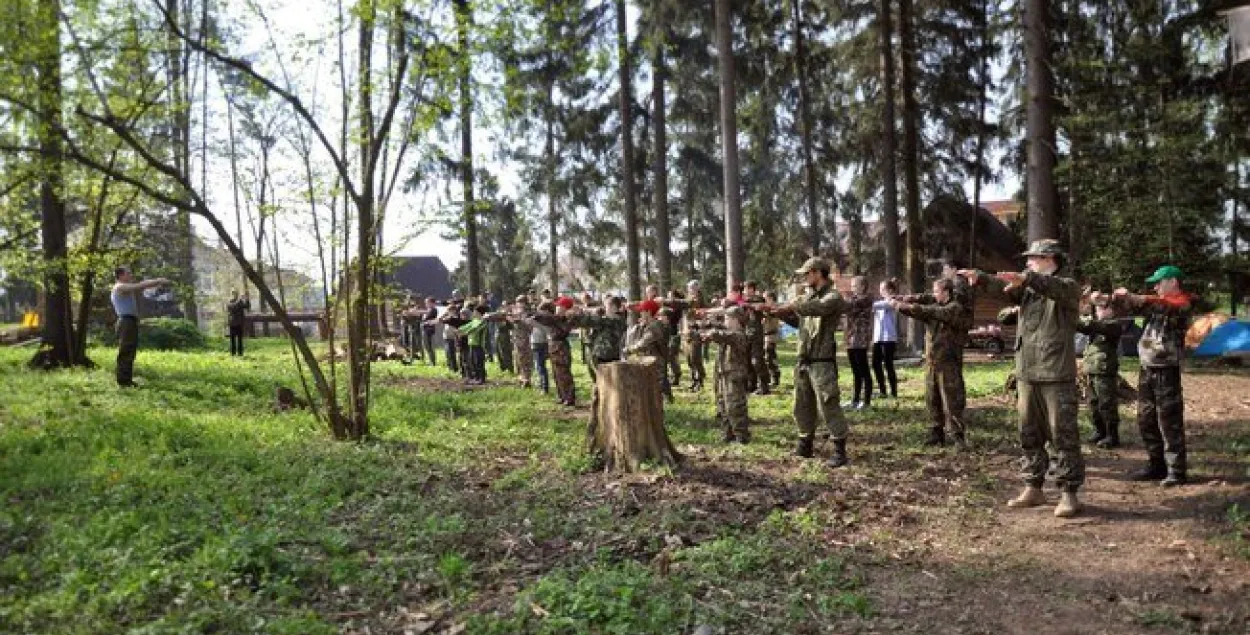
(772, 334)
(1102, 365)
(816, 395)
(944, 363)
(503, 340)
(605, 333)
(1046, 374)
(732, 366)
(523, 352)
(757, 374)
(673, 362)
(559, 328)
(859, 322)
(1160, 400)
(693, 346)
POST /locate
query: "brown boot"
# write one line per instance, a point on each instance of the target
(1031, 497)
(1068, 505)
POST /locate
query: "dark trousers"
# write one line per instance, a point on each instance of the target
(490, 341)
(236, 340)
(1161, 416)
(127, 348)
(883, 356)
(462, 349)
(862, 376)
(477, 363)
(449, 346)
(427, 340)
(540, 365)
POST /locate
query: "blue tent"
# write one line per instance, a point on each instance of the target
(1229, 338)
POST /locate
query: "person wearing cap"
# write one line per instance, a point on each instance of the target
(125, 298)
(1101, 363)
(1045, 371)
(732, 363)
(816, 397)
(944, 360)
(559, 327)
(1160, 402)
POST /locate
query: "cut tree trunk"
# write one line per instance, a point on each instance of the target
(627, 422)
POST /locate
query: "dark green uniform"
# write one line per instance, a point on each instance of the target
(1160, 401)
(944, 366)
(1046, 375)
(731, 383)
(1102, 365)
(816, 395)
(758, 379)
(650, 340)
(503, 340)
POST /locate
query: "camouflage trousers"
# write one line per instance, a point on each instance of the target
(504, 343)
(694, 359)
(1161, 416)
(945, 397)
(816, 399)
(562, 368)
(524, 359)
(1047, 412)
(1104, 404)
(731, 405)
(674, 361)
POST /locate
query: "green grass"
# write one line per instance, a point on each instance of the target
(189, 506)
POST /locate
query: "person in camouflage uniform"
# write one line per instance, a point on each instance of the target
(816, 315)
(693, 345)
(605, 329)
(1160, 402)
(1101, 363)
(668, 317)
(559, 327)
(521, 342)
(503, 337)
(730, 385)
(944, 360)
(648, 338)
(760, 378)
(1045, 371)
(772, 335)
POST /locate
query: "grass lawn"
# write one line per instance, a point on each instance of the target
(188, 506)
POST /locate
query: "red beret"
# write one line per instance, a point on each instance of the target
(649, 306)
(564, 301)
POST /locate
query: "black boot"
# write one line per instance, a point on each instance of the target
(728, 435)
(1112, 440)
(839, 454)
(1153, 471)
(1174, 478)
(937, 437)
(961, 442)
(804, 448)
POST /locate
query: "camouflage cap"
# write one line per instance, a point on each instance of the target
(1045, 247)
(814, 264)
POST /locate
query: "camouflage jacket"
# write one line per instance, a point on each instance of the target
(1046, 331)
(1102, 354)
(606, 333)
(859, 322)
(647, 340)
(818, 311)
(772, 330)
(948, 331)
(755, 318)
(1162, 342)
(732, 359)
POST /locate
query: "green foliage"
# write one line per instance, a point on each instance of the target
(163, 334)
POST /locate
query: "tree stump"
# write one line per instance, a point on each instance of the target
(627, 418)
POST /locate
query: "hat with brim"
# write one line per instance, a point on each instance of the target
(813, 264)
(1165, 272)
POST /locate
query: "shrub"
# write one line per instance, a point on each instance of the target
(162, 334)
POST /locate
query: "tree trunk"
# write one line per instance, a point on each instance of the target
(734, 254)
(358, 326)
(805, 135)
(180, 142)
(911, 159)
(553, 225)
(659, 163)
(234, 183)
(56, 348)
(1040, 89)
(889, 150)
(984, 80)
(627, 423)
(464, 18)
(632, 256)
